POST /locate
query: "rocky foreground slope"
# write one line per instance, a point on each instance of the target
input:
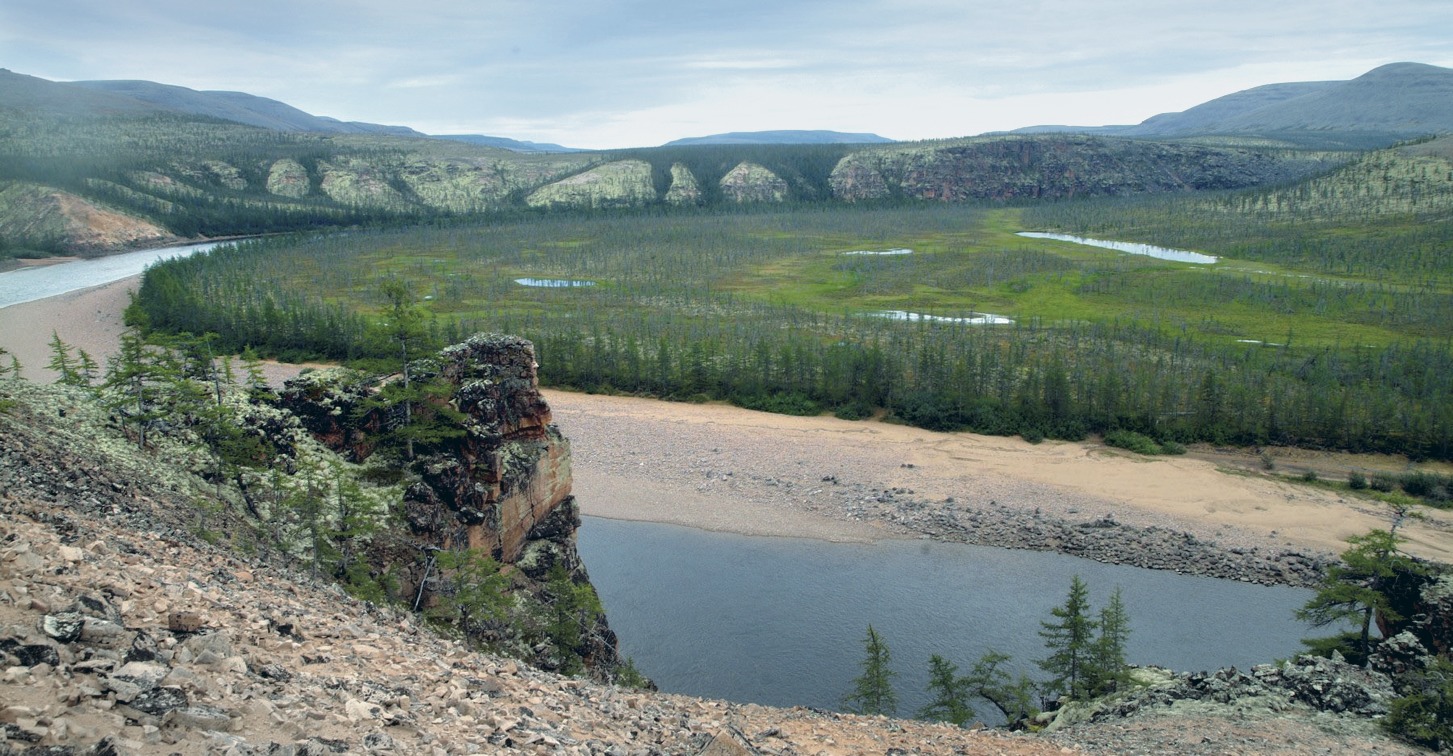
(123, 629)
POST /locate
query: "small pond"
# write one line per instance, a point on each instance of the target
(983, 318)
(552, 283)
(1149, 250)
(880, 252)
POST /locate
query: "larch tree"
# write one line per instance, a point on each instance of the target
(873, 689)
(1070, 639)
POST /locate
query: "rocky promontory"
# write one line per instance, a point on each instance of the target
(139, 614)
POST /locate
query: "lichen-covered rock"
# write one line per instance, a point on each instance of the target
(288, 178)
(355, 181)
(225, 174)
(857, 177)
(685, 189)
(749, 182)
(1053, 166)
(500, 486)
(622, 183)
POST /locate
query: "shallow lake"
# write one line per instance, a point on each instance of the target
(552, 283)
(983, 318)
(880, 252)
(30, 284)
(1150, 250)
(780, 621)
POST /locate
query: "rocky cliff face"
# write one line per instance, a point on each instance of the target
(685, 190)
(43, 217)
(623, 183)
(499, 487)
(1018, 168)
(750, 182)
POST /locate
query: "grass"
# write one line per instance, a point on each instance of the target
(987, 268)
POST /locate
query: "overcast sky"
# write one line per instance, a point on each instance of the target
(618, 73)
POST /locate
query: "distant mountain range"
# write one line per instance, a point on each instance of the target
(1394, 101)
(1406, 99)
(515, 145)
(132, 97)
(786, 136)
(239, 107)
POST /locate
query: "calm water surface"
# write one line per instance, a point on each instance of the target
(781, 621)
(30, 284)
(1133, 248)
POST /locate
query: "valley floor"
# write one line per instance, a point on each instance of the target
(724, 468)
(293, 661)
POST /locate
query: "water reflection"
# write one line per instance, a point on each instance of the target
(983, 318)
(552, 283)
(1133, 248)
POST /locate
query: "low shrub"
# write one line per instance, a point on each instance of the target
(1136, 442)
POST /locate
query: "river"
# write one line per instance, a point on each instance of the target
(780, 621)
(31, 284)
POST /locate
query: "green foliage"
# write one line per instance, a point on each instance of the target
(1423, 713)
(988, 680)
(473, 595)
(1356, 481)
(10, 368)
(873, 689)
(143, 385)
(572, 611)
(66, 367)
(1136, 442)
(1372, 573)
(950, 693)
(782, 404)
(427, 416)
(627, 676)
(1106, 670)
(763, 308)
(1070, 638)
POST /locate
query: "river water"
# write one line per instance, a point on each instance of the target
(30, 284)
(780, 621)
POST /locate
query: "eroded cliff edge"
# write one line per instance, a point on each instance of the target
(490, 478)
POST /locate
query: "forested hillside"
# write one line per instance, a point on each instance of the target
(209, 164)
(1317, 327)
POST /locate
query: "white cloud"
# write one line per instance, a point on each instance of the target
(639, 72)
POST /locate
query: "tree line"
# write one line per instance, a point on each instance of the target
(1085, 659)
(662, 322)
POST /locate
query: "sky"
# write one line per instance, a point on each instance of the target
(628, 73)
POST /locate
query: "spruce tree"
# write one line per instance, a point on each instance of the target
(873, 690)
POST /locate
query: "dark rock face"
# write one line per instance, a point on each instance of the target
(1051, 167)
(501, 486)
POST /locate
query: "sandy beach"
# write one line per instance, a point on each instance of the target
(724, 468)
